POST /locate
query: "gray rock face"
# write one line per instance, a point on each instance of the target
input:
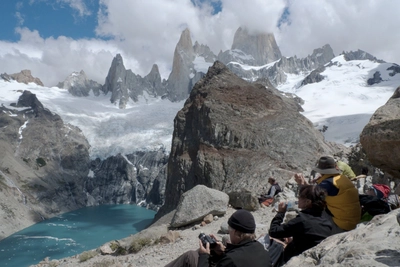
(182, 68)
(78, 84)
(360, 55)
(375, 79)
(277, 72)
(380, 138)
(244, 199)
(314, 77)
(43, 163)
(135, 178)
(260, 48)
(24, 76)
(204, 51)
(374, 244)
(124, 84)
(232, 134)
(198, 202)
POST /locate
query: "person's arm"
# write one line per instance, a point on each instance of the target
(289, 229)
(300, 180)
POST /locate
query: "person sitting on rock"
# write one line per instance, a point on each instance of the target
(242, 249)
(346, 169)
(308, 229)
(343, 205)
(273, 191)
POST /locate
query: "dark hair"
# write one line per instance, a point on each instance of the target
(272, 180)
(314, 193)
(364, 170)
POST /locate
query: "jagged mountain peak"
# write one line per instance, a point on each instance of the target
(78, 84)
(261, 46)
(360, 55)
(24, 76)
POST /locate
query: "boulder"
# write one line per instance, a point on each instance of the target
(380, 138)
(195, 204)
(376, 243)
(244, 199)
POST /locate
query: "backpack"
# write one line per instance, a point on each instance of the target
(383, 188)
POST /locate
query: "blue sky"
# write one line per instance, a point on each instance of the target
(50, 18)
(53, 38)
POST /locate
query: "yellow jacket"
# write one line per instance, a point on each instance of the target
(345, 206)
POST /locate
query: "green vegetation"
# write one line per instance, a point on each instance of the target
(87, 255)
(40, 162)
(138, 244)
(114, 246)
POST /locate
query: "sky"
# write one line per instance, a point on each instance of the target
(54, 38)
(342, 101)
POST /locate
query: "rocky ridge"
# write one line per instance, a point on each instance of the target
(232, 134)
(45, 169)
(41, 160)
(23, 76)
(78, 84)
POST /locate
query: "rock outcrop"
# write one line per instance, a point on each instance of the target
(124, 85)
(137, 178)
(197, 203)
(373, 244)
(24, 76)
(42, 163)
(232, 134)
(251, 49)
(380, 138)
(277, 73)
(360, 55)
(182, 68)
(78, 84)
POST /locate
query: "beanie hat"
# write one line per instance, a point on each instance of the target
(242, 221)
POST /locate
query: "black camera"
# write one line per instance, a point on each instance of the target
(207, 239)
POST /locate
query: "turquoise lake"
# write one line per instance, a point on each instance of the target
(72, 233)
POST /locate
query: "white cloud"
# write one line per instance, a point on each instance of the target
(20, 18)
(77, 5)
(146, 32)
(345, 25)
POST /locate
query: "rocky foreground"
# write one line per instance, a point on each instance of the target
(374, 244)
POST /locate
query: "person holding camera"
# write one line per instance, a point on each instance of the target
(242, 249)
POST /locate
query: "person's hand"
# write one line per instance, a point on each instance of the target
(299, 178)
(288, 240)
(202, 249)
(219, 248)
(282, 207)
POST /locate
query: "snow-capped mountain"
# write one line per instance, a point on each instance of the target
(343, 101)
